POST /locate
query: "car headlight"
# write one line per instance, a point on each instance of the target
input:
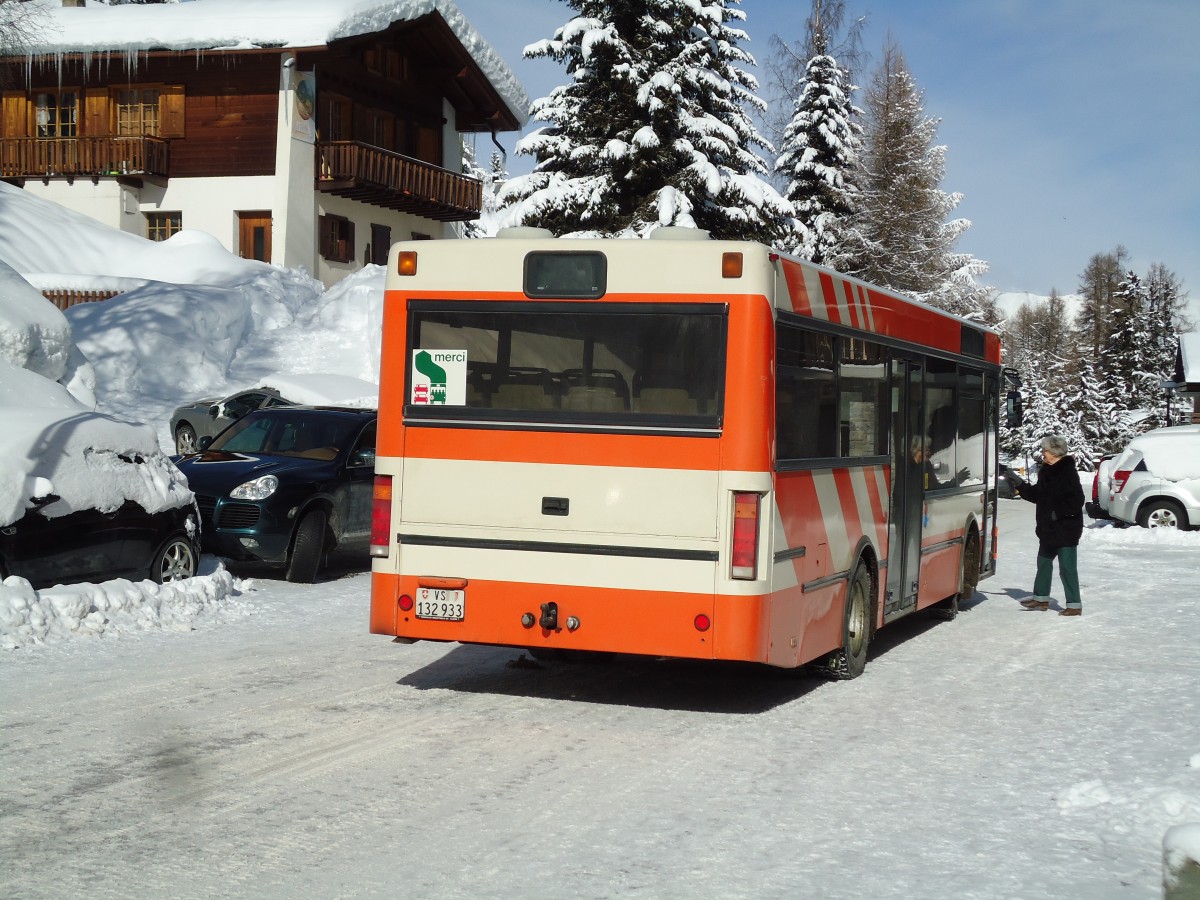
(258, 489)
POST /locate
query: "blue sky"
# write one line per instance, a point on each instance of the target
(1071, 125)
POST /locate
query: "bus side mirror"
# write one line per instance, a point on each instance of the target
(1015, 410)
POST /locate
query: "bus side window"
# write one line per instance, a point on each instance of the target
(805, 396)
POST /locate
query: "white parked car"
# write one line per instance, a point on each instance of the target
(1097, 505)
(1156, 479)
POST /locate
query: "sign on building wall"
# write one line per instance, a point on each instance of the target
(304, 107)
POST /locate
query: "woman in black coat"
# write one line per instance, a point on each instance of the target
(1058, 496)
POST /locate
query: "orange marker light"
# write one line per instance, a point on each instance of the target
(731, 265)
(406, 262)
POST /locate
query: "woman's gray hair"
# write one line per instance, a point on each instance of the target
(1056, 444)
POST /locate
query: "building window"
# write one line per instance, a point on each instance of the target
(161, 225)
(381, 243)
(338, 123)
(137, 112)
(337, 238)
(57, 114)
(383, 130)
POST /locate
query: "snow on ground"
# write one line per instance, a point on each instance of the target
(241, 736)
(279, 750)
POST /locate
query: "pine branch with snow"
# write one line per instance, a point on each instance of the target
(653, 128)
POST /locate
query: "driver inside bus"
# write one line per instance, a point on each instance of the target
(921, 454)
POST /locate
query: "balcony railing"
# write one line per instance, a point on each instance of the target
(92, 157)
(383, 178)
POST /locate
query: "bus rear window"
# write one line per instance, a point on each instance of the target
(615, 364)
(565, 274)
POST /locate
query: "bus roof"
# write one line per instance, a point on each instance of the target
(680, 263)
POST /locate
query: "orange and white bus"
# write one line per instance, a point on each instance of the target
(675, 447)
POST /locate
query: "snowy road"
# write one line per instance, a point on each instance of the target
(285, 752)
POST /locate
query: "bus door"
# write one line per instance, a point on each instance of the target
(908, 490)
(990, 412)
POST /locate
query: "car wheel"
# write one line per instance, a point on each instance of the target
(175, 561)
(307, 548)
(1163, 514)
(185, 439)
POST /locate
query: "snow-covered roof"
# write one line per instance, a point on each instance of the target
(251, 24)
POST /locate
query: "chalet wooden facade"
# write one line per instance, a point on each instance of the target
(318, 155)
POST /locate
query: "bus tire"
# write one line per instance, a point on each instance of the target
(948, 609)
(850, 660)
(307, 548)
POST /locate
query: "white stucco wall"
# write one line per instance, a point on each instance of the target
(106, 201)
(211, 204)
(404, 227)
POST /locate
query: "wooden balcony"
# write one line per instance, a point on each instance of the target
(383, 178)
(84, 157)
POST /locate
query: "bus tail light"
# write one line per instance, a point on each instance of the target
(381, 516)
(745, 535)
(731, 265)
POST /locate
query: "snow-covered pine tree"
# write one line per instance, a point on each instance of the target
(903, 239)
(819, 158)
(1165, 303)
(493, 179)
(1128, 346)
(1098, 286)
(653, 128)
(1046, 392)
(471, 168)
(1101, 423)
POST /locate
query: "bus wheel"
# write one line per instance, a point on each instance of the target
(851, 659)
(948, 609)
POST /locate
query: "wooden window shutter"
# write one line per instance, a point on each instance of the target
(348, 252)
(96, 122)
(325, 236)
(16, 115)
(170, 111)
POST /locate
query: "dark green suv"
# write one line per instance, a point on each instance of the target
(287, 485)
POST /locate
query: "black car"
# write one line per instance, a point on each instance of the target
(91, 545)
(287, 485)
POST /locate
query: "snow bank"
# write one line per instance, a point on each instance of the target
(34, 335)
(30, 618)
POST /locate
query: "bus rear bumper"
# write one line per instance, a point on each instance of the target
(646, 622)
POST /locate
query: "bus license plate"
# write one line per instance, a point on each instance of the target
(439, 603)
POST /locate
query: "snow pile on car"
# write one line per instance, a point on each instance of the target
(52, 442)
(1169, 453)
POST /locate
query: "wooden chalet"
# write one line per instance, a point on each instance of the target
(296, 133)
